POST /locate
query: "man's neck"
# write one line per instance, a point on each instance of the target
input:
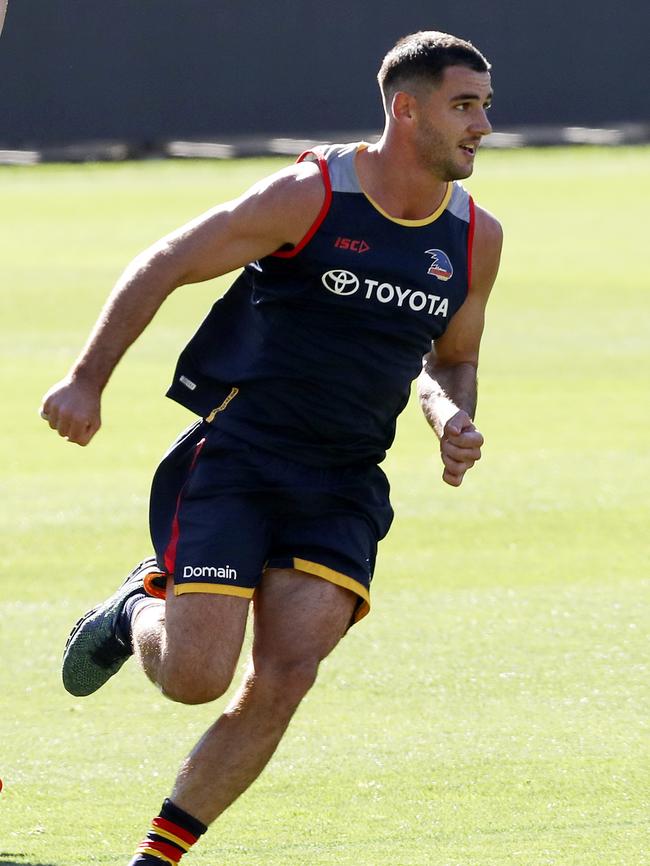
(390, 175)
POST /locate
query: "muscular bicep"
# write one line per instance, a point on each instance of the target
(277, 211)
(461, 341)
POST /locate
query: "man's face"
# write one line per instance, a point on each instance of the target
(451, 121)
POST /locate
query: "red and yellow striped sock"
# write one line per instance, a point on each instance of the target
(172, 834)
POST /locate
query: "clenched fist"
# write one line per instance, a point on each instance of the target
(72, 408)
(460, 447)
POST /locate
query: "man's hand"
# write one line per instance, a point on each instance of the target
(72, 408)
(460, 447)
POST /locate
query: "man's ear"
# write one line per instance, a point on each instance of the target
(403, 106)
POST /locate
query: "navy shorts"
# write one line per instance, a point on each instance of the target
(223, 511)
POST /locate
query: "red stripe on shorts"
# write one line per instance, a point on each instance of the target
(170, 552)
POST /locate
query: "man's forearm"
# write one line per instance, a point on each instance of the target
(130, 307)
(444, 390)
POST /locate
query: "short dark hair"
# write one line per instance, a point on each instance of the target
(423, 57)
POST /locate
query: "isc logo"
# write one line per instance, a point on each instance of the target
(350, 244)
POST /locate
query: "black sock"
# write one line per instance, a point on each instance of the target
(124, 621)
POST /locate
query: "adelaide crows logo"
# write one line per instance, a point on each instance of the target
(441, 267)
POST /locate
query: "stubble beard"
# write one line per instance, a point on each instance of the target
(435, 156)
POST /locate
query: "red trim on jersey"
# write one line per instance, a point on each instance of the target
(470, 241)
(322, 164)
(170, 552)
(175, 830)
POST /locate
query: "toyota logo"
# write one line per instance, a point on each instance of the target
(340, 282)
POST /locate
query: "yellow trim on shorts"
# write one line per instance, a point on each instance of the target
(344, 580)
(213, 588)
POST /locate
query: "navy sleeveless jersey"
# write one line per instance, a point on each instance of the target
(312, 351)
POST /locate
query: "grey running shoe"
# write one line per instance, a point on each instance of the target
(96, 648)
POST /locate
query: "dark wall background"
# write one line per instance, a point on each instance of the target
(145, 70)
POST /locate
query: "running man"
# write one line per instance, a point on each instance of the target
(364, 267)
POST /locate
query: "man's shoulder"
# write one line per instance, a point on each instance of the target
(304, 188)
(487, 227)
(293, 194)
(486, 251)
(300, 177)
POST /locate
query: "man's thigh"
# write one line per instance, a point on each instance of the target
(299, 617)
(203, 640)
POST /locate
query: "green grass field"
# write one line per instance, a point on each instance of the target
(494, 708)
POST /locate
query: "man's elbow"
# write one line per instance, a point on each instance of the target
(434, 366)
(163, 266)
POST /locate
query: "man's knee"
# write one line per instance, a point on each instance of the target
(193, 683)
(285, 680)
